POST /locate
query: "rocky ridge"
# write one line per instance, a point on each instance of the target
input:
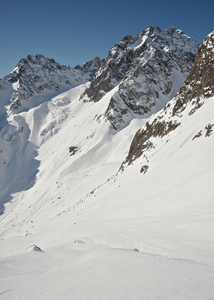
(198, 86)
(37, 75)
(142, 66)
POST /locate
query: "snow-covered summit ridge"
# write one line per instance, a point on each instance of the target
(209, 37)
(146, 68)
(172, 36)
(38, 75)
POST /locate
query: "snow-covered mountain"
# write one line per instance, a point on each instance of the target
(197, 88)
(39, 77)
(33, 82)
(148, 68)
(90, 211)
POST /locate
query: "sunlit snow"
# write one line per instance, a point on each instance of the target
(104, 233)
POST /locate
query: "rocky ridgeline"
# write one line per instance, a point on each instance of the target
(198, 86)
(37, 75)
(142, 66)
(90, 68)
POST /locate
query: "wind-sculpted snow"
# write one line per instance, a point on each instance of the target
(18, 164)
(28, 116)
(20, 139)
(144, 67)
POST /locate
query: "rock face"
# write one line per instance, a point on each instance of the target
(36, 75)
(89, 68)
(198, 86)
(200, 82)
(142, 66)
(141, 141)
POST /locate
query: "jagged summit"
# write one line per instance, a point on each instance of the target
(37, 75)
(198, 87)
(91, 66)
(145, 68)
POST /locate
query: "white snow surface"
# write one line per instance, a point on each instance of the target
(105, 234)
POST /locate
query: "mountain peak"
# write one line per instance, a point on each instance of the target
(150, 30)
(144, 68)
(198, 86)
(36, 75)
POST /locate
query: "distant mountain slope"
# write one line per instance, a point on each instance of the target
(40, 76)
(149, 69)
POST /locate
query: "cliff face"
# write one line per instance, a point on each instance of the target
(198, 87)
(37, 75)
(200, 82)
(144, 67)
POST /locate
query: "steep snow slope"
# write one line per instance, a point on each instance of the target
(113, 236)
(113, 221)
(34, 81)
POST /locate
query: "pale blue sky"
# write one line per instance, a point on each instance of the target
(73, 32)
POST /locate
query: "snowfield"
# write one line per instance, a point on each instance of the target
(105, 233)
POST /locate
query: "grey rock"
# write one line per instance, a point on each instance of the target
(37, 75)
(198, 86)
(142, 66)
(200, 82)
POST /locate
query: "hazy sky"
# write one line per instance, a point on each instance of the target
(73, 32)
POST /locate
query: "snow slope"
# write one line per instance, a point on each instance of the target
(106, 235)
(111, 223)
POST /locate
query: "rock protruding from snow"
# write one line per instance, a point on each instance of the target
(198, 86)
(200, 82)
(38, 76)
(34, 248)
(142, 141)
(143, 67)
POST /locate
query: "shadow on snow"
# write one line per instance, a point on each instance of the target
(18, 164)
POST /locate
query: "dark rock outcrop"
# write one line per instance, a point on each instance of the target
(37, 75)
(198, 86)
(142, 66)
(200, 82)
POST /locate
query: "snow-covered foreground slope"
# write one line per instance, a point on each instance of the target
(105, 233)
